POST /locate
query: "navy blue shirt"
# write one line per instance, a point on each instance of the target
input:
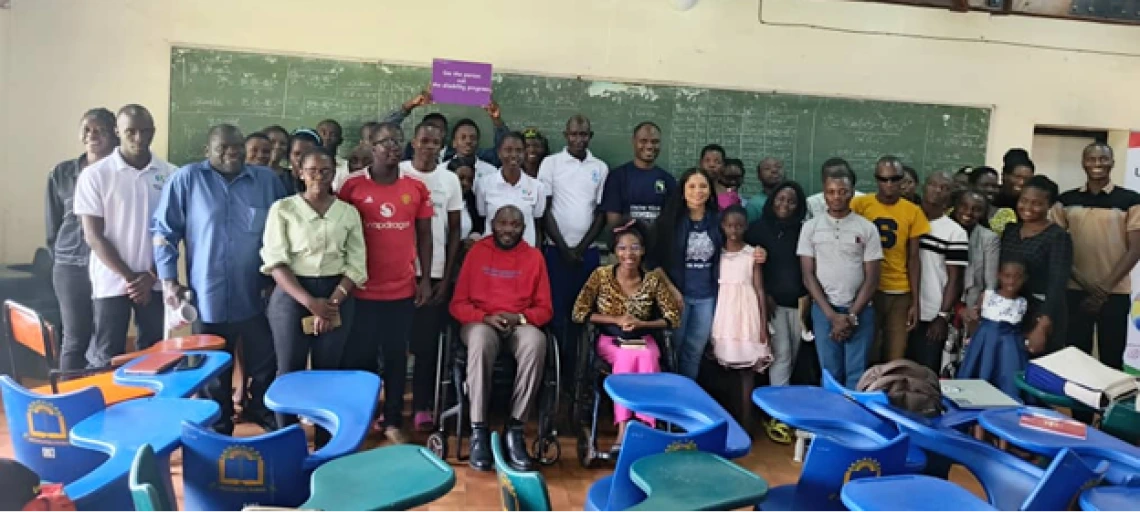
(222, 223)
(700, 252)
(638, 193)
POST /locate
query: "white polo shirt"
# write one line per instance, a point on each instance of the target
(446, 196)
(493, 192)
(125, 198)
(575, 187)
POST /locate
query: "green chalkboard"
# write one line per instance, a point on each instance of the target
(254, 90)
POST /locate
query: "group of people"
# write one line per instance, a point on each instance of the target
(300, 258)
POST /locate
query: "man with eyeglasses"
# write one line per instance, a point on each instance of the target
(900, 224)
(396, 212)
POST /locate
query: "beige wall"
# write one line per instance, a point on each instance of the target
(68, 55)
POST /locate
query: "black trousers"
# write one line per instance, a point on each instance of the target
(927, 354)
(381, 330)
(112, 318)
(1111, 325)
(426, 326)
(73, 290)
(259, 362)
(294, 348)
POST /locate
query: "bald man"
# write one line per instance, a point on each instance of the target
(114, 199)
(502, 301)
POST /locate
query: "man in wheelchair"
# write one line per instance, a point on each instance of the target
(502, 299)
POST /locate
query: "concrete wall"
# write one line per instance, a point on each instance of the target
(65, 56)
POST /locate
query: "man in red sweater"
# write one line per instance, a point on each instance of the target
(502, 299)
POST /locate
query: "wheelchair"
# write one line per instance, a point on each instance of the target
(588, 392)
(452, 405)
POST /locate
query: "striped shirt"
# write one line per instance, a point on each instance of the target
(1099, 224)
(946, 244)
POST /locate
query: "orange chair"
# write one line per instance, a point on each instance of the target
(28, 329)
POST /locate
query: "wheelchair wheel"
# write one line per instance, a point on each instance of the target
(437, 444)
(585, 453)
(547, 450)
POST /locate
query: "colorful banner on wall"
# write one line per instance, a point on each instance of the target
(1132, 181)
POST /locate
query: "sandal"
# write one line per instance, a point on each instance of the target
(778, 432)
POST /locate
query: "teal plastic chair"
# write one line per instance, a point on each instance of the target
(522, 491)
(148, 486)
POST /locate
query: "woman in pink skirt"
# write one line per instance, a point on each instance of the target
(627, 303)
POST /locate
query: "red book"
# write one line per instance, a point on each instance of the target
(1057, 426)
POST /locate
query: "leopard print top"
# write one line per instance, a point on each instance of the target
(603, 294)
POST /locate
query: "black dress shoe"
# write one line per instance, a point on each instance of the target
(481, 457)
(517, 456)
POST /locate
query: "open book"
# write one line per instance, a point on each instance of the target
(1073, 373)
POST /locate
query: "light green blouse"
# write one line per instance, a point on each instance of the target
(314, 246)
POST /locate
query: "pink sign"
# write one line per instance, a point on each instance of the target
(461, 82)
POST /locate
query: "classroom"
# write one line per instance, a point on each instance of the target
(843, 93)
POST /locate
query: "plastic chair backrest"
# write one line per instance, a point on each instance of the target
(28, 329)
(1007, 480)
(831, 385)
(641, 441)
(148, 484)
(830, 464)
(521, 491)
(40, 427)
(1066, 478)
(223, 473)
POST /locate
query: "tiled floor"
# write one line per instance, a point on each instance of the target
(567, 481)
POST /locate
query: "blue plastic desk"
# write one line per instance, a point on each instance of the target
(678, 400)
(1111, 498)
(1124, 459)
(396, 477)
(909, 493)
(694, 481)
(173, 382)
(119, 431)
(821, 411)
(341, 402)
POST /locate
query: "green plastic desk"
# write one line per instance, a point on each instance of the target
(695, 481)
(397, 477)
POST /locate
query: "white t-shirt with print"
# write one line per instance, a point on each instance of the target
(946, 244)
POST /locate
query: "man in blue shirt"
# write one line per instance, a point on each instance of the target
(638, 188)
(218, 208)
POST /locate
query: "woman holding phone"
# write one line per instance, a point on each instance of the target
(313, 247)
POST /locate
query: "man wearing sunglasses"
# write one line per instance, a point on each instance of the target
(900, 224)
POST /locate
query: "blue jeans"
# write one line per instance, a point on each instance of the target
(692, 335)
(845, 360)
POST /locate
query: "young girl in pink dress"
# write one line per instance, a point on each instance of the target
(740, 324)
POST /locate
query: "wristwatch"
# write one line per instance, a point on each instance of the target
(522, 320)
(944, 315)
(854, 319)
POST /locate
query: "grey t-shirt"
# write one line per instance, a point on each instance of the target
(840, 248)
